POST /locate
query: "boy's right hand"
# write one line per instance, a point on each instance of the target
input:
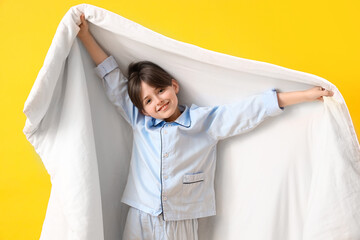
(95, 51)
(84, 28)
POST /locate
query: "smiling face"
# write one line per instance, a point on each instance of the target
(160, 103)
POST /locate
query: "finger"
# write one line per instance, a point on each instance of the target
(328, 93)
(83, 20)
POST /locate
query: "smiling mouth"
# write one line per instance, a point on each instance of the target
(163, 106)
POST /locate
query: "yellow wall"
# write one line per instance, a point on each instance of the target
(320, 37)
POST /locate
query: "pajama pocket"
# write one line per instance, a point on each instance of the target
(193, 187)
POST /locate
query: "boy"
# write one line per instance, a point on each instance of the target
(171, 177)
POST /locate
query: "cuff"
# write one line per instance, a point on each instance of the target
(106, 66)
(271, 103)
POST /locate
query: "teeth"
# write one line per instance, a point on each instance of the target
(162, 107)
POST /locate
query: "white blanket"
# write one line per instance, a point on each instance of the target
(296, 176)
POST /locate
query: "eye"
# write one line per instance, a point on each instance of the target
(148, 101)
(161, 90)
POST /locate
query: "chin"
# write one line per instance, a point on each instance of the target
(167, 115)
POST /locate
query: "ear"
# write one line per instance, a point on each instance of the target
(175, 85)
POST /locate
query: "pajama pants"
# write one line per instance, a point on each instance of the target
(143, 226)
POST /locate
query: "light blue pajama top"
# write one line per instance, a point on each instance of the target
(172, 166)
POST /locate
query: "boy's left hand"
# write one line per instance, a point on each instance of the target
(317, 93)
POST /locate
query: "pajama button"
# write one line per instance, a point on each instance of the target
(164, 198)
(165, 155)
(165, 132)
(165, 177)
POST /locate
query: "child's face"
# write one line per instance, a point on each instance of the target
(160, 103)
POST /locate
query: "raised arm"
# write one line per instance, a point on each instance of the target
(96, 52)
(242, 116)
(113, 80)
(312, 94)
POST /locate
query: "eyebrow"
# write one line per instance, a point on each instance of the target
(148, 96)
(145, 98)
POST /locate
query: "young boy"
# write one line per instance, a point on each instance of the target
(171, 177)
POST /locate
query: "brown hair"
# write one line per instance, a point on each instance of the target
(148, 72)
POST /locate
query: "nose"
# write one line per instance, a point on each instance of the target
(159, 101)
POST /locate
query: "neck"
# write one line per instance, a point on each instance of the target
(173, 117)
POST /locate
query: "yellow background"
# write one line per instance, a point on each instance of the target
(320, 37)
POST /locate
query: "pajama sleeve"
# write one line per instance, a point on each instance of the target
(232, 119)
(115, 85)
